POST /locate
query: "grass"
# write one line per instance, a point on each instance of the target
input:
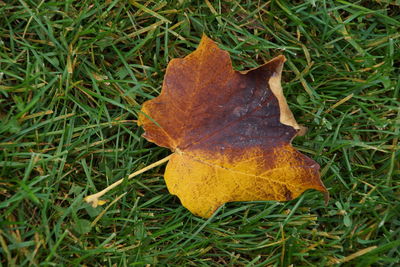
(73, 75)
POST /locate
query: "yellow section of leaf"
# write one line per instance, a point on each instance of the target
(205, 181)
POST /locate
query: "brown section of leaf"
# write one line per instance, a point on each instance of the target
(230, 130)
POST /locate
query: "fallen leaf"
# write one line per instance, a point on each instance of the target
(230, 132)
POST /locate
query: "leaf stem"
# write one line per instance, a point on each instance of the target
(94, 199)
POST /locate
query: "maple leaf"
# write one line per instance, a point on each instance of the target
(230, 132)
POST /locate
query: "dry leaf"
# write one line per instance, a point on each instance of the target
(230, 133)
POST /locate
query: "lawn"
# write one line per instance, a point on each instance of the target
(73, 77)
